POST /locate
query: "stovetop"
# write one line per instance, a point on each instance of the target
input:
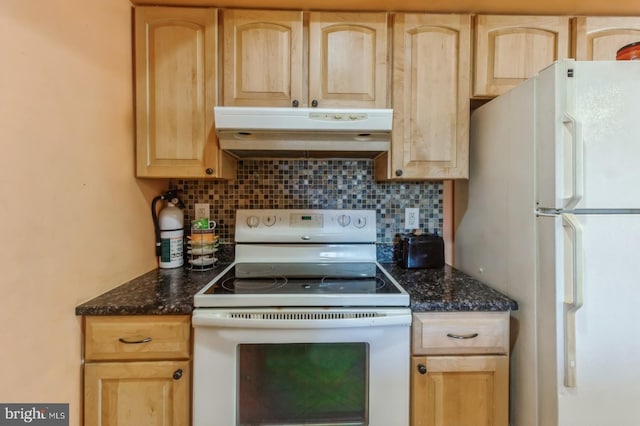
(302, 284)
(304, 257)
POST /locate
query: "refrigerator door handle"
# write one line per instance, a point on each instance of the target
(577, 160)
(573, 298)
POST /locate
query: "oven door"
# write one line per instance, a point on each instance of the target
(334, 366)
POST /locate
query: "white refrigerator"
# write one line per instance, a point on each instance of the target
(551, 217)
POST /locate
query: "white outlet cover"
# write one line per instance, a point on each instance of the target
(411, 218)
(202, 211)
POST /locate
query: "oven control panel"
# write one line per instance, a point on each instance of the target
(300, 225)
(306, 220)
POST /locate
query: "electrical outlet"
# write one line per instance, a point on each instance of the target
(411, 218)
(202, 211)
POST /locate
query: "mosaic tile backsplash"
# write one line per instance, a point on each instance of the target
(315, 184)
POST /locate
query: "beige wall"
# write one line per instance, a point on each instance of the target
(74, 220)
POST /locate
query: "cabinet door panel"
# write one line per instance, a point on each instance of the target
(175, 91)
(137, 393)
(510, 49)
(263, 58)
(460, 390)
(348, 59)
(599, 38)
(430, 96)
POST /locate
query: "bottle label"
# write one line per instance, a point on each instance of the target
(171, 250)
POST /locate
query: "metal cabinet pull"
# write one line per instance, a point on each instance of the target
(134, 342)
(177, 375)
(422, 369)
(463, 336)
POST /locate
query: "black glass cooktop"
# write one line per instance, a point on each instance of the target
(303, 278)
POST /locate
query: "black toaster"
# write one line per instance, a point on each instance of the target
(420, 251)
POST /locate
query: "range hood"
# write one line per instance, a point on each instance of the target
(259, 132)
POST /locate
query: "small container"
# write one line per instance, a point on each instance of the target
(630, 52)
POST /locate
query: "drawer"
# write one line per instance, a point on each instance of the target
(137, 337)
(452, 333)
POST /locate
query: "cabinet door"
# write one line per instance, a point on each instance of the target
(175, 51)
(348, 59)
(460, 390)
(510, 49)
(431, 55)
(263, 58)
(137, 393)
(599, 38)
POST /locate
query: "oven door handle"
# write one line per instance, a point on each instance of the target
(300, 319)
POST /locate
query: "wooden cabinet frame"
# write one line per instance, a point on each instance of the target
(431, 91)
(508, 49)
(137, 370)
(176, 89)
(460, 369)
(598, 38)
(304, 59)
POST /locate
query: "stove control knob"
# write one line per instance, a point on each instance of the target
(269, 220)
(253, 221)
(344, 220)
(360, 222)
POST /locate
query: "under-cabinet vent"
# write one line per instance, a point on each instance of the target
(297, 316)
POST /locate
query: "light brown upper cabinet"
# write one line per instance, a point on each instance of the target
(599, 38)
(263, 58)
(348, 59)
(175, 68)
(267, 63)
(510, 49)
(430, 139)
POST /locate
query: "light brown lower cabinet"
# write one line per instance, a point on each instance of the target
(459, 390)
(137, 370)
(460, 369)
(154, 393)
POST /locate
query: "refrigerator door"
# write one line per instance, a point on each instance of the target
(588, 347)
(588, 135)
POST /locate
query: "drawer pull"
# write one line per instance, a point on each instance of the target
(463, 336)
(134, 342)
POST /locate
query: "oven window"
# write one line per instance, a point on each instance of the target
(303, 383)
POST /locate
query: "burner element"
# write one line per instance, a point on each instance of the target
(344, 284)
(253, 285)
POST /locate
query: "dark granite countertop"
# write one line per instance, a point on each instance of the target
(171, 291)
(448, 289)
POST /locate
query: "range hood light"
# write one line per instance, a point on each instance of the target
(244, 135)
(363, 137)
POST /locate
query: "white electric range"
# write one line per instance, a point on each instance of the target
(305, 327)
